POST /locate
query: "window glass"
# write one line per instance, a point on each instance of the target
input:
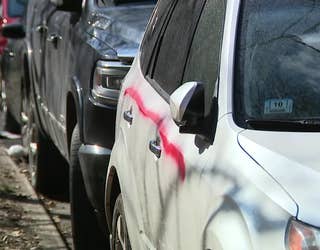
(156, 25)
(204, 58)
(17, 8)
(277, 73)
(173, 46)
(105, 3)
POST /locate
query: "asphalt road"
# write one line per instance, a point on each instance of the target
(28, 220)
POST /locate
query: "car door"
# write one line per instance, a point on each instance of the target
(166, 159)
(56, 78)
(38, 12)
(134, 124)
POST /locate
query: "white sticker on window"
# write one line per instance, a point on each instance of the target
(278, 106)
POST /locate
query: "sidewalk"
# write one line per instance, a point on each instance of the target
(24, 223)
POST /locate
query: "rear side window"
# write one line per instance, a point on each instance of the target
(203, 63)
(187, 47)
(174, 44)
(17, 8)
(157, 24)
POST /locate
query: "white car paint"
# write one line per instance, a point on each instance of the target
(295, 164)
(239, 193)
(223, 190)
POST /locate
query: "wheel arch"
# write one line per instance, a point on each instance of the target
(228, 218)
(26, 63)
(26, 73)
(71, 118)
(74, 110)
(112, 191)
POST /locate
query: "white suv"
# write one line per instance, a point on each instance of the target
(218, 129)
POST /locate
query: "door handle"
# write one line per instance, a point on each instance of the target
(41, 28)
(155, 147)
(54, 38)
(12, 54)
(127, 115)
(9, 52)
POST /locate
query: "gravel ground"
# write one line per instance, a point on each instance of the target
(24, 223)
(27, 220)
(14, 230)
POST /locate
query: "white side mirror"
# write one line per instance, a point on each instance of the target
(180, 99)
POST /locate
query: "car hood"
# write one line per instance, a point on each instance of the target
(293, 160)
(120, 28)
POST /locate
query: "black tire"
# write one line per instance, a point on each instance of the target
(86, 232)
(119, 242)
(48, 169)
(11, 124)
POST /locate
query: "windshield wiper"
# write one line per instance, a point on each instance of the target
(299, 125)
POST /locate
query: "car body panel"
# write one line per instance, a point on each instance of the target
(220, 191)
(295, 159)
(88, 43)
(228, 195)
(65, 49)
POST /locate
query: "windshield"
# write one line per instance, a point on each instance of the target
(277, 70)
(17, 8)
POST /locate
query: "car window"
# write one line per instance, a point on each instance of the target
(156, 25)
(173, 47)
(17, 8)
(106, 3)
(277, 61)
(204, 57)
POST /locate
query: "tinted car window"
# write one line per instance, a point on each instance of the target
(156, 25)
(174, 44)
(278, 55)
(105, 3)
(204, 57)
(16, 8)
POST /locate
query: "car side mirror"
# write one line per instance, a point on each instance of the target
(187, 105)
(14, 30)
(68, 5)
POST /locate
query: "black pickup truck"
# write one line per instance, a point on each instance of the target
(78, 53)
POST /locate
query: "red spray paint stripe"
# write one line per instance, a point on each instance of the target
(143, 110)
(169, 148)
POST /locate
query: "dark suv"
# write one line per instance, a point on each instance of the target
(79, 53)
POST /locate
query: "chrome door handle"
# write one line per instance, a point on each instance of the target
(9, 52)
(54, 38)
(127, 115)
(12, 54)
(41, 28)
(155, 148)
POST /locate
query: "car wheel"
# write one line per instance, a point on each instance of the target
(85, 228)
(48, 170)
(120, 237)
